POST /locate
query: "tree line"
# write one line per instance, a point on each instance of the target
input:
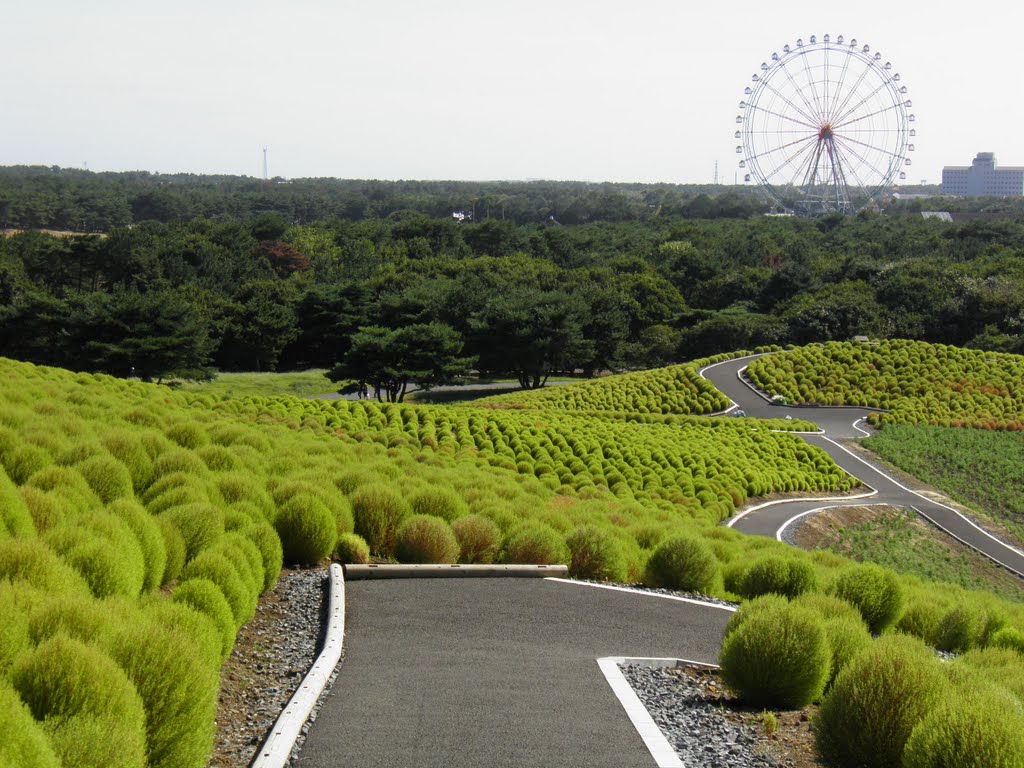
(411, 296)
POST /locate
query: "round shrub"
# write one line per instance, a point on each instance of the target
(219, 570)
(426, 539)
(440, 502)
(104, 551)
(536, 544)
(874, 591)
(378, 511)
(174, 546)
(307, 529)
(782, 575)
(595, 553)
(204, 596)
(107, 477)
(269, 545)
(179, 460)
(244, 557)
(999, 665)
(921, 618)
(14, 634)
(479, 539)
(352, 549)
(125, 446)
(46, 509)
(89, 708)
(1009, 637)
(24, 744)
(876, 701)
(69, 615)
(24, 461)
(32, 562)
(179, 696)
(828, 606)
(778, 657)
(959, 629)
(200, 524)
(188, 434)
(147, 532)
(196, 625)
(847, 636)
(683, 562)
(980, 730)
(220, 459)
(68, 485)
(15, 517)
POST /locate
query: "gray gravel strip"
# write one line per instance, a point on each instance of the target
(693, 723)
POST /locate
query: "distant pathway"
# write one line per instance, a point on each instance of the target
(840, 423)
(461, 673)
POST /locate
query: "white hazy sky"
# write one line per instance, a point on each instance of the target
(645, 90)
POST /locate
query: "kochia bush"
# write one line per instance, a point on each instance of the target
(683, 562)
(426, 539)
(875, 591)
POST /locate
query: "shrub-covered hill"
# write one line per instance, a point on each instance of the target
(917, 382)
(140, 525)
(677, 389)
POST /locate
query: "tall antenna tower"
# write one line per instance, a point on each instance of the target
(265, 176)
(716, 173)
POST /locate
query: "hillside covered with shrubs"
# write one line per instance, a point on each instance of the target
(141, 524)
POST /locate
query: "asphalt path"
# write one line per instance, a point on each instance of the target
(495, 672)
(838, 424)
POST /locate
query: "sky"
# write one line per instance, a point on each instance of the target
(638, 91)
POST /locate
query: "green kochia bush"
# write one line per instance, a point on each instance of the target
(200, 524)
(875, 591)
(378, 511)
(104, 551)
(426, 539)
(146, 530)
(24, 744)
(536, 544)
(595, 554)
(89, 707)
(780, 574)
(15, 518)
(777, 657)
(108, 478)
(352, 549)
(307, 528)
(269, 545)
(222, 572)
(440, 502)
(979, 730)
(877, 701)
(14, 632)
(32, 562)
(479, 539)
(206, 597)
(683, 562)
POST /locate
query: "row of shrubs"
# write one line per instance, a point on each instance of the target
(884, 702)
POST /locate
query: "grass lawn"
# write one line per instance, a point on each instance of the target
(981, 469)
(898, 539)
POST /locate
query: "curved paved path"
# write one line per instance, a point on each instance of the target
(495, 672)
(843, 424)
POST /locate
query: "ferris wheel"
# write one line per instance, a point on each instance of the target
(825, 126)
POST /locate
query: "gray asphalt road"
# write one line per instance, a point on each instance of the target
(494, 672)
(838, 424)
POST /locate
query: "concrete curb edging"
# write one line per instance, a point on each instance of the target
(276, 750)
(661, 749)
(434, 571)
(644, 592)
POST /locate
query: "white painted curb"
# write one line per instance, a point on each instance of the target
(661, 750)
(435, 571)
(277, 748)
(645, 593)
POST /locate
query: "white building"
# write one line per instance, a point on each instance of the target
(983, 178)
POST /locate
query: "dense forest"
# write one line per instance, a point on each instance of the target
(186, 273)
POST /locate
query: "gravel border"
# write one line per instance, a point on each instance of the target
(696, 726)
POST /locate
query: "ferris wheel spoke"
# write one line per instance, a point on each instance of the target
(897, 105)
(781, 147)
(797, 158)
(810, 114)
(852, 168)
(814, 90)
(863, 101)
(864, 161)
(839, 183)
(803, 168)
(791, 104)
(838, 89)
(782, 116)
(850, 94)
(894, 155)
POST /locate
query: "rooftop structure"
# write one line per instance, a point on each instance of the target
(983, 177)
